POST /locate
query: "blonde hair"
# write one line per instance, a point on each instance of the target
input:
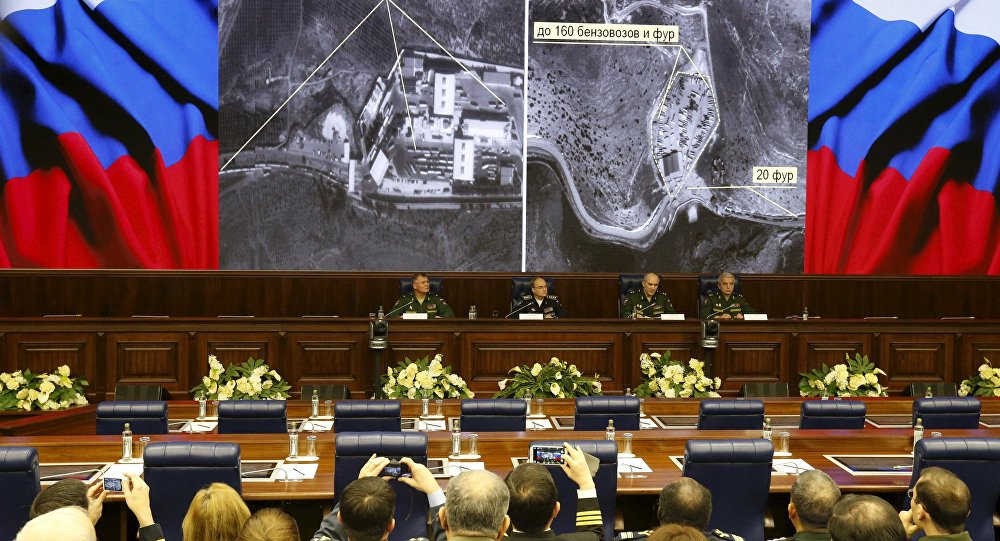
(270, 525)
(217, 513)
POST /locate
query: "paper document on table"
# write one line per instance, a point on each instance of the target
(118, 471)
(310, 425)
(455, 468)
(645, 423)
(295, 471)
(199, 426)
(539, 424)
(431, 426)
(791, 466)
(633, 465)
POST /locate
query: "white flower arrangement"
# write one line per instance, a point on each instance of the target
(985, 382)
(252, 380)
(668, 378)
(424, 378)
(859, 377)
(555, 379)
(22, 390)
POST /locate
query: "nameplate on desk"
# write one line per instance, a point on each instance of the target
(414, 315)
(531, 316)
(671, 317)
(755, 317)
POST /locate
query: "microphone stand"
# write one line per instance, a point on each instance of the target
(524, 304)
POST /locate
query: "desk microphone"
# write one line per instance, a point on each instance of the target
(276, 468)
(637, 310)
(524, 304)
(397, 309)
(717, 312)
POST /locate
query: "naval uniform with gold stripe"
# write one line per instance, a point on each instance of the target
(549, 307)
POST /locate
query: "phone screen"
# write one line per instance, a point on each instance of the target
(112, 484)
(547, 455)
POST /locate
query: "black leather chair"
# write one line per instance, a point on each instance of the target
(148, 417)
(176, 470)
(626, 284)
(494, 415)
(521, 286)
(367, 416)
(947, 412)
(326, 392)
(355, 448)
(252, 417)
(406, 286)
(138, 391)
(709, 283)
(594, 412)
(833, 414)
(738, 474)
(20, 482)
(938, 388)
(727, 414)
(761, 389)
(606, 481)
(976, 461)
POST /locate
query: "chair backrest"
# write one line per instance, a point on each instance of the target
(938, 388)
(146, 417)
(367, 416)
(406, 285)
(627, 283)
(594, 412)
(976, 461)
(176, 470)
(738, 474)
(709, 283)
(833, 414)
(494, 415)
(728, 414)
(326, 391)
(138, 391)
(252, 417)
(20, 482)
(521, 286)
(355, 448)
(606, 482)
(764, 388)
(947, 412)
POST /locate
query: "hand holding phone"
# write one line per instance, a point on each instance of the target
(395, 469)
(112, 484)
(547, 454)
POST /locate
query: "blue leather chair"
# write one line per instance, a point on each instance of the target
(20, 482)
(406, 286)
(252, 417)
(727, 414)
(147, 417)
(626, 284)
(521, 286)
(947, 412)
(176, 470)
(738, 474)
(709, 283)
(594, 412)
(606, 481)
(367, 416)
(976, 461)
(494, 415)
(833, 414)
(355, 448)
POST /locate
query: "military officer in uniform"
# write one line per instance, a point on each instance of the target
(421, 301)
(688, 503)
(539, 301)
(724, 304)
(650, 302)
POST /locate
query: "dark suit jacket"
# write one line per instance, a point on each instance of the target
(589, 526)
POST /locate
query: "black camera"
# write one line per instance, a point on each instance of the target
(395, 469)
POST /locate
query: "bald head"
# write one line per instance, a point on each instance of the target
(477, 504)
(685, 502)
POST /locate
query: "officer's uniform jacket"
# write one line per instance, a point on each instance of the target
(659, 304)
(717, 304)
(550, 307)
(713, 535)
(433, 306)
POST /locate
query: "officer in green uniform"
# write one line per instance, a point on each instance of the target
(650, 302)
(813, 496)
(724, 304)
(944, 494)
(421, 301)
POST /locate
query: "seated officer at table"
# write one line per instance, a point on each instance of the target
(812, 499)
(421, 301)
(863, 517)
(650, 302)
(539, 302)
(688, 503)
(941, 504)
(724, 304)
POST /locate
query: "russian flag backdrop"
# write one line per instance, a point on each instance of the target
(108, 133)
(904, 138)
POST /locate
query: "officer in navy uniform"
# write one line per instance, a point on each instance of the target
(686, 502)
(650, 302)
(724, 304)
(422, 301)
(539, 302)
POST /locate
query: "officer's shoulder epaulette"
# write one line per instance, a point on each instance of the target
(723, 535)
(553, 297)
(621, 536)
(525, 297)
(632, 292)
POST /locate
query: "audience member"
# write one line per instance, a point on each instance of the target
(270, 524)
(69, 492)
(476, 507)
(534, 501)
(688, 503)
(69, 523)
(676, 532)
(813, 497)
(865, 518)
(216, 513)
(940, 504)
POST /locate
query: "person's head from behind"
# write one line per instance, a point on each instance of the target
(61, 494)
(270, 525)
(477, 505)
(366, 509)
(813, 497)
(865, 518)
(686, 502)
(216, 513)
(942, 498)
(65, 524)
(676, 532)
(534, 501)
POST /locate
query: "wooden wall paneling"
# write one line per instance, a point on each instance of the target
(235, 347)
(681, 345)
(910, 357)
(815, 349)
(751, 357)
(160, 358)
(975, 348)
(327, 358)
(46, 351)
(835, 297)
(778, 298)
